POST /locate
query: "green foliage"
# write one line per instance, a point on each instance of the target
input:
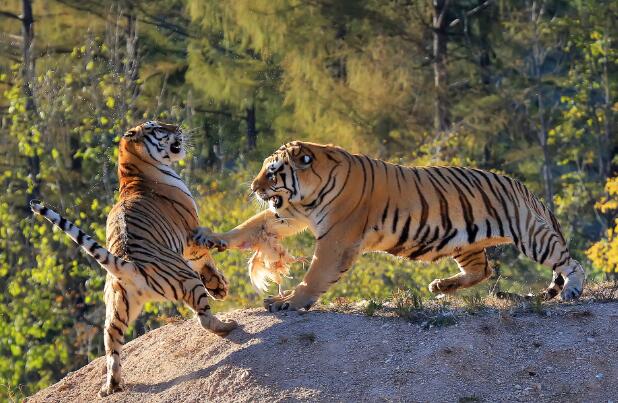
(604, 253)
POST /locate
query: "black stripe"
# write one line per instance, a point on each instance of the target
(498, 196)
(341, 189)
(545, 248)
(420, 252)
(373, 175)
(80, 237)
(385, 211)
(403, 237)
(460, 177)
(155, 230)
(430, 171)
(446, 240)
(324, 191)
(93, 247)
(395, 219)
(398, 172)
(424, 210)
(488, 205)
(444, 209)
(360, 199)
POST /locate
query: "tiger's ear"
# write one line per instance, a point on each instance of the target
(169, 127)
(133, 134)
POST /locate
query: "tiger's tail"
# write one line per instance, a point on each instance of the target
(110, 262)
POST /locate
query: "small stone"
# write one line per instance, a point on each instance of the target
(517, 386)
(600, 376)
(536, 386)
(590, 339)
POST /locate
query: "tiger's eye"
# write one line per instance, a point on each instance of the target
(306, 159)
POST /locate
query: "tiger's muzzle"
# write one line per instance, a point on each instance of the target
(274, 200)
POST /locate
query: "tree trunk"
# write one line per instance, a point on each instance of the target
(484, 64)
(440, 40)
(251, 130)
(607, 149)
(548, 179)
(131, 66)
(210, 144)
(27, 73)
(536, 13)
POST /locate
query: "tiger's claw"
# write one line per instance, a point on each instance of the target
(203, 236)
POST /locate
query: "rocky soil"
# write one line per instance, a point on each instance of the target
(567, 352)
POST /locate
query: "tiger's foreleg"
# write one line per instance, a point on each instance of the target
(121, 309)
(251, 233)
(568, 280)
(474, 269)
(200, 260)
(333, 257)
(547, 246)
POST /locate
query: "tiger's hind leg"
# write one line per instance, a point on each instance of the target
(201, 262)
(121, 309)
(195, 296)
(474, 269)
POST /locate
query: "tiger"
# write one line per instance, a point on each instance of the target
(355, 204)
(150, 254)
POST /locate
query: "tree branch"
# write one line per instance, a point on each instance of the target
(10, 15)
(220, 112)
(53, 50)
(470, 13)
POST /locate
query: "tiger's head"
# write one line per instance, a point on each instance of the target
(155, 142)
(297, 173)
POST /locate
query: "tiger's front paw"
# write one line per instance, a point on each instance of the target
(290, 301)
(203, 236)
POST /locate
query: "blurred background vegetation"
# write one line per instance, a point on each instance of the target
(523, 87)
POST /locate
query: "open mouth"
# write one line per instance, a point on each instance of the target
(175, 147)
(276, 201)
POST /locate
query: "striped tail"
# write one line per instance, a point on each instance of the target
(110, 262)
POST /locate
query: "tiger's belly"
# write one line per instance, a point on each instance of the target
(429, 244)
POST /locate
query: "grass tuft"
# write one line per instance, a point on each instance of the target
(372, 307)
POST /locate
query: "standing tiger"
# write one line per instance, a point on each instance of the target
(151, 254)
(355, 204)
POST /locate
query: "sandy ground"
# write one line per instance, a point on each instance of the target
(569, 354)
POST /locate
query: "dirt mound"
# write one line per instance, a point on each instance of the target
(567, 354)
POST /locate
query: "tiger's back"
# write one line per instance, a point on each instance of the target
(142, 220)
(446, 209)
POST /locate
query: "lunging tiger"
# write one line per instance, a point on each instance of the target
(151, 255)
(355, 204)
